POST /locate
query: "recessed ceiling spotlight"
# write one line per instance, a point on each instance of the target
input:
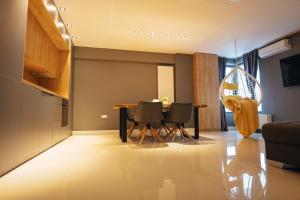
(62, 9)
(153, 34)
(136, 32)
(169, 35)
(74, 37)
(183, 37)
(68, 25)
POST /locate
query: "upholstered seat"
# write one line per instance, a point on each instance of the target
(178, 114)
(282, 141)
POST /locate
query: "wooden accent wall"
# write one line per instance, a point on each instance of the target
(206, 87)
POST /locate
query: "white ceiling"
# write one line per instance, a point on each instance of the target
(209, 26)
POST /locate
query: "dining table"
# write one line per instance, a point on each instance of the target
(123, 118)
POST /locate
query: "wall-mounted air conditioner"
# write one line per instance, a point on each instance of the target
(275, 48)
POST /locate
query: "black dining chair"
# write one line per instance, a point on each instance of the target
(130, 114)
(150, 115)
(178, 114)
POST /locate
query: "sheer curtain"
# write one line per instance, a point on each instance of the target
(222, 69)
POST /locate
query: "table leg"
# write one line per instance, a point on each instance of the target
(123, 124)
(196, 123)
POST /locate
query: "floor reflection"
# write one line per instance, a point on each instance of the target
(222, 166)
(244, 170)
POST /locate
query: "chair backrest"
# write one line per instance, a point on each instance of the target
(179, 113)
(148, 112)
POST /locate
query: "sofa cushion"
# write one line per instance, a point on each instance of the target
(282, 132)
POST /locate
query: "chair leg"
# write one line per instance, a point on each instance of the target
(144, 131)
(174, 134)
(130, 130)
(182, 134)
(188, 135)
(168, 131)
(155, 135)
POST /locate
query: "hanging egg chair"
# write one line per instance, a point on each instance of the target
(239, 84)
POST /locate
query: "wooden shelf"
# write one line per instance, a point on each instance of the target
(47, 56)
(43, 89)
(39, 10)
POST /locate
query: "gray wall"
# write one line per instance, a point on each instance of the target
(104, 77)
(184, 80)
(30, 121)
(282, 103)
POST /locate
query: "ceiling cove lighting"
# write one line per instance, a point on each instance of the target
(59, 24)
(66, 36)
(51, 8)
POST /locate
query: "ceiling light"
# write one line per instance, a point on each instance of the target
(153, 34)
(59, 24)
(62, 9)
(74, 37)
(68, 25)
(235, 1)
(183, 37)
(66, 36)
(136, 32)
(169, 35)
(51, 8)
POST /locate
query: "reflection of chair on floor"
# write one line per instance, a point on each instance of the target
(178, 114)
(150, 115)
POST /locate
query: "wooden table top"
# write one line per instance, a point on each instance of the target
(134, 105)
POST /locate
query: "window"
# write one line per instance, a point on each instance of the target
(229, 68)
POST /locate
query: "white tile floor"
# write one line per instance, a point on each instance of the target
(222, 166)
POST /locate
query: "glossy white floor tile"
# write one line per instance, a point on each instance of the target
(222, 166)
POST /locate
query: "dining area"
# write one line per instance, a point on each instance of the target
(158, 120)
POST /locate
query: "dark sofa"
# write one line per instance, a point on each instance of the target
(282, 141)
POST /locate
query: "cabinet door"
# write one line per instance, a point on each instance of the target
(57, 132)
(10, 108)
(209, 117)
(13, 23)
(209, 79)
(206, 86)
(29, 136)
(57, 120)
(45, 121)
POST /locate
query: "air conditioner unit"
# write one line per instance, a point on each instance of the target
(276, 48)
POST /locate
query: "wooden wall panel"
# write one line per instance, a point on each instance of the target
(206, 85)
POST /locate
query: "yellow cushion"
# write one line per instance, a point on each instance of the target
(230, 86)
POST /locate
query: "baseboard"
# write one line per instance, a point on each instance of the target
(276, 164)
(134, 133)
(94, 132)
